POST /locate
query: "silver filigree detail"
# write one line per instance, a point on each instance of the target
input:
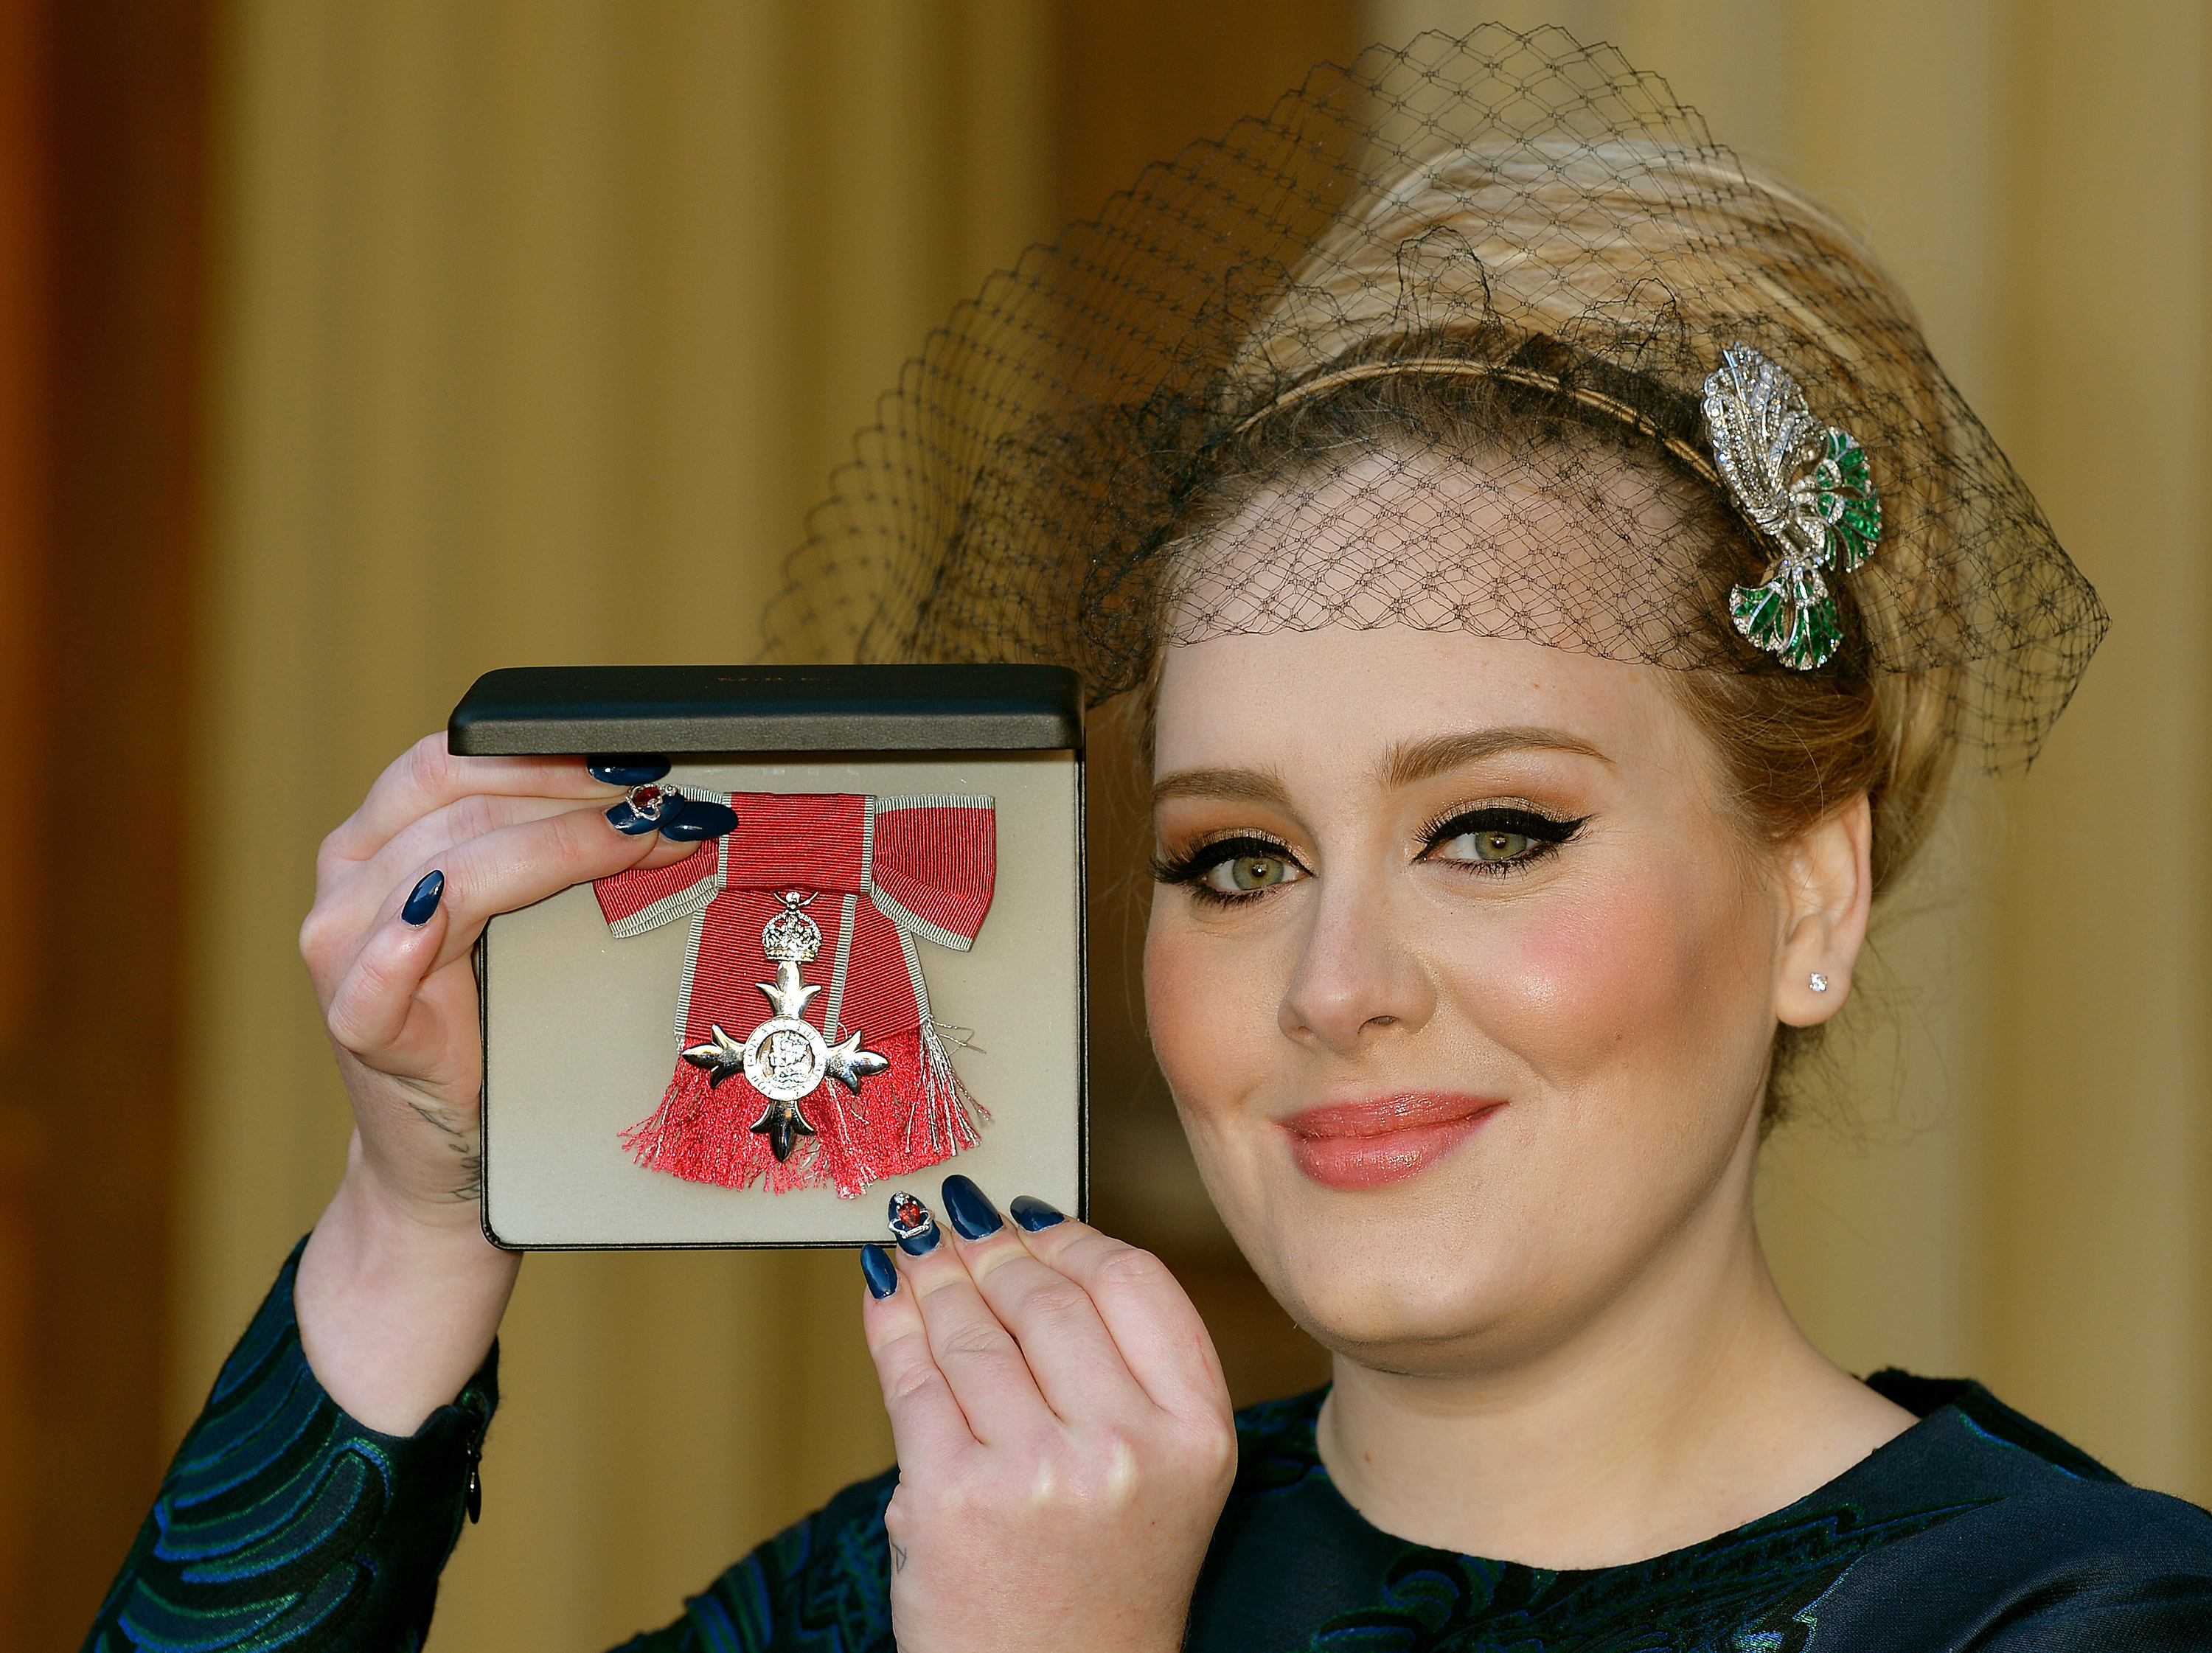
(1807, 487)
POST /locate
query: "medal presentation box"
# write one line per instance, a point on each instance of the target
(875, 981)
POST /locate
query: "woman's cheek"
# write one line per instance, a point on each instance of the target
(1176, 1002)
(1211, 1005)
(1582, 984)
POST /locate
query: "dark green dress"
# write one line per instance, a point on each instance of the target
(283, 1525)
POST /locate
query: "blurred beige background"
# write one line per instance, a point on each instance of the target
(537, 327)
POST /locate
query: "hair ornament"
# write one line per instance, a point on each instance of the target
(1807, 487)
(1502, 371)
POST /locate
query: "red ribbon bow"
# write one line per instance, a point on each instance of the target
(881, 872)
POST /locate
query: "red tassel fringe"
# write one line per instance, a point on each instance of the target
(916, 1114)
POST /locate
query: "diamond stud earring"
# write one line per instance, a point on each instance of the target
(1820, 982)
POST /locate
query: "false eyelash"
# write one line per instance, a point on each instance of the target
(1189, 869)
(1545, 833)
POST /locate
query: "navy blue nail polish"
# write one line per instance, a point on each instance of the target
(911, 1225)
(701, 819)
(629, 770)
(647, 809)
(422, 900)
(1032, 1214)
(881, 1273)
(972, 1214)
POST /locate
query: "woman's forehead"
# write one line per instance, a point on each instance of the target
(1338, 701)
(1550, 547)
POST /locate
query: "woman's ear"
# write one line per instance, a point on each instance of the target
(1829, 886)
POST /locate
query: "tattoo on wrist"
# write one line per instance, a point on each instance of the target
(898, 1556)
(471, 1184)
(465, 1142)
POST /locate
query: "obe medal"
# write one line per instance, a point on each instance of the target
(786, 1058)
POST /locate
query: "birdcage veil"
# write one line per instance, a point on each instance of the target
(1484, 334)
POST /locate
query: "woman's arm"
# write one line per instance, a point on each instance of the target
(314, 1502)
(284, 1524)
(399, 1294)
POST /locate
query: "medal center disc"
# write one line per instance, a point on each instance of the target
(786, 1059)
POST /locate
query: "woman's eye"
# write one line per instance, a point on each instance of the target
(1241, 875)
(1498, 839)
(1490, 844)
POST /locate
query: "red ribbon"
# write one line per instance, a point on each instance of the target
(883, 871)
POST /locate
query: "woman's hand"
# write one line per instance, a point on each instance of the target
(399, 1294)
(1065, 1440)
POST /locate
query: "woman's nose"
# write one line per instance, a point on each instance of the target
(1356, 977)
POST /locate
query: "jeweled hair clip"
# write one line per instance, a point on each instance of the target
(1807, 487)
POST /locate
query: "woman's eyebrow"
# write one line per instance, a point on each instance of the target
(1411, 760)
(1231, 785)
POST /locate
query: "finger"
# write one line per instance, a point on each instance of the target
(515, 866)
(427, 777)
(1159, 1334)
(927, 1422)
(980, 1359)
(497, 871)
(1072, 1357)
(364, 892)
(369, 1011)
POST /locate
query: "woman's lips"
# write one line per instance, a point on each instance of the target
(1371, 1145)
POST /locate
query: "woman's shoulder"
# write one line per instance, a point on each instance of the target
(1970, 1451)
(2006, 1534)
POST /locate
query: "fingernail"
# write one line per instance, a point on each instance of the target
(1032, 1214)
(701, 819)
(911, 1225)
(971, 1211)
(880, 1271)
(647, 807)
(629, 769)
(422, 900)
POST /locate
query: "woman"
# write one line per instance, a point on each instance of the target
(1559, 582)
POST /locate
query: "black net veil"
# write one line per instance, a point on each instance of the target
(1488, 334)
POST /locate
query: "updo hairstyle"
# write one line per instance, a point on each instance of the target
(1516, 257)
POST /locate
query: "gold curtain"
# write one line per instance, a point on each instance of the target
(540, 327)
(2017, 1186)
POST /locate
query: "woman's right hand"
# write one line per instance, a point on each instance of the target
(399, 1294)
(1063, 1433)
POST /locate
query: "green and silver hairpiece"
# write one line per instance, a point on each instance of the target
(1809, 491)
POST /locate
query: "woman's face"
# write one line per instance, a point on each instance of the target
(1462, 974)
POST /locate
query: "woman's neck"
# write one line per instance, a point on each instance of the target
(1690, 1406)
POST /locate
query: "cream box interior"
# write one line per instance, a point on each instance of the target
(580, 1038)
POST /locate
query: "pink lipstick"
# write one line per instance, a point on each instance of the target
(1372, 1144)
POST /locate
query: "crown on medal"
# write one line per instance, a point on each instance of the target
(790, 934)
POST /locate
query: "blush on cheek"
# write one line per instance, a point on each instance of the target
(1591, 979)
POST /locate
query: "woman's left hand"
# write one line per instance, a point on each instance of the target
(1064, 1439)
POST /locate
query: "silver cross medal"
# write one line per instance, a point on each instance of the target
(786, 1058)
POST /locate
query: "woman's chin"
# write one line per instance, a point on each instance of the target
(1391, 1285)
(1417, 1271)
(1401, 1333)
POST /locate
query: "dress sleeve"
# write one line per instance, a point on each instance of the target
(820, 1586)
(283, 1524)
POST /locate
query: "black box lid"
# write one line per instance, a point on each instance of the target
(592, 709)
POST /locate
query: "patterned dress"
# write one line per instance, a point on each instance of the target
(283, 1525)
